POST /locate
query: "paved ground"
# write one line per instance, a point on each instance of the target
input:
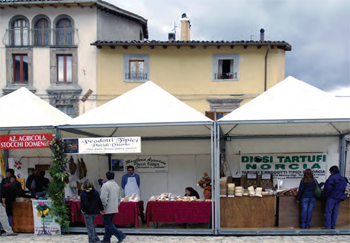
(81, 238)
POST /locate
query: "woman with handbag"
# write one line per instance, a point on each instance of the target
(307, 198)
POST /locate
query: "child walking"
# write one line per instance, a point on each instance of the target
(90, 206)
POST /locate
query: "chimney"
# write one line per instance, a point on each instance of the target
(262, 36)
(185, 28)
(171, 36)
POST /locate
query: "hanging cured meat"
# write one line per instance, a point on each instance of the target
(80, 170)
(79, 186)
(72, 166)
(84, 167)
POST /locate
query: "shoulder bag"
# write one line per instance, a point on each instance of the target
(317, 190)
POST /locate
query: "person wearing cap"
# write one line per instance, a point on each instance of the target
(110, 197)
(334, 192)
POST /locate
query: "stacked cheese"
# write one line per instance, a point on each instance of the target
(251, 191)
(258, 191)
(223, 186)
(239, 191)
(230, 188)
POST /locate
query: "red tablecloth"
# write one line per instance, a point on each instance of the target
(128, 213)
(179, 212)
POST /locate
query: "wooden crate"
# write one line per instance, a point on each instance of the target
(252, 182)
(266, 183)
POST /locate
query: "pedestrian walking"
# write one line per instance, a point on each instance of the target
(90, 206)
(334, 192)
(110, 197)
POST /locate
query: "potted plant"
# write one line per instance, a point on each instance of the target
(205, 184)
(229, 75)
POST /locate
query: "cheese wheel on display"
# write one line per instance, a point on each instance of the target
(238, 194)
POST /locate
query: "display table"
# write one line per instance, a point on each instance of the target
(128, 213)
(178, 212)
(247, 211)
(289, 213)
(22, 218)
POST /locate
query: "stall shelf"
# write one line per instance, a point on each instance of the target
(178, 212)
(127, 215)
(250, 212)
(289, 213)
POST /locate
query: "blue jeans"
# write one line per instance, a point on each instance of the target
(307, 205)
(89, 222)
(110, 228)
(331, 213)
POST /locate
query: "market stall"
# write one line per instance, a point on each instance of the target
(175, 149)
(27, 122)
(290, 127)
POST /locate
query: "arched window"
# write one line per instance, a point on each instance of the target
(20, 32)
(41, 32)
(64, 32)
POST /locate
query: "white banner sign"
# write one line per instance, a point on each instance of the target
(147, 163)
(285, 166)
(46, 224)
(103, 145)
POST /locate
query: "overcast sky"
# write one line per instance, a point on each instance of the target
(318, 30)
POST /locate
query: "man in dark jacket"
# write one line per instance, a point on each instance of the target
(40, 184)
(9, 173)
(30, 179)
(3, 216)
(334, 191)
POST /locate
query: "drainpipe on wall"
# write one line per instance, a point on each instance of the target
(262, 39)
(265, 79)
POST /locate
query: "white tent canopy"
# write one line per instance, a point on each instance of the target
(291, 107)
(22, 109)
(146, 110)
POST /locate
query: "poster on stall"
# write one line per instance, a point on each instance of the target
(285, 166)
(47, 223)
(105, 145)
(147, 163)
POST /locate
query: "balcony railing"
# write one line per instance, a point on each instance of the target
(225, 75)
(136, 76)
(41, 37)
